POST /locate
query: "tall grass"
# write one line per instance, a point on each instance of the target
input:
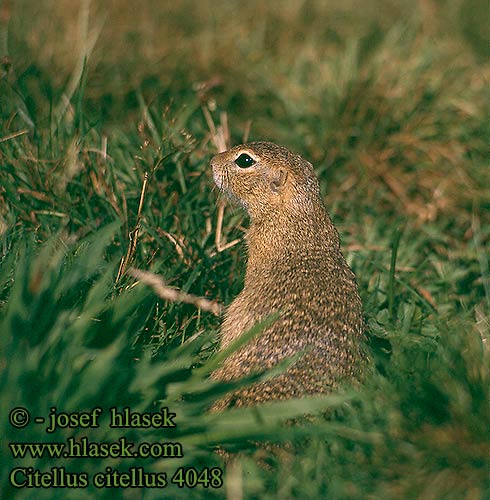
(388, 100)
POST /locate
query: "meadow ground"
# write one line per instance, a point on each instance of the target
(390, 102)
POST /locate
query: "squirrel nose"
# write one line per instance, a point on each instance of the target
(216, 160)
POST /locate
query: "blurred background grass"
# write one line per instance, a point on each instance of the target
(389, 100)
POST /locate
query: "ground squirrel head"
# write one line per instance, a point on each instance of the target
(266, 179)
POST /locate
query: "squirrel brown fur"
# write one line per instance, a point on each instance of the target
(295, 268)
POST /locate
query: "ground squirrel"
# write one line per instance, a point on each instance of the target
(295, 267)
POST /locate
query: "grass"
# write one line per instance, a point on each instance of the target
(389, 101)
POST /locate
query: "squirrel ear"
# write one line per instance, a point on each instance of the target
(278, 180)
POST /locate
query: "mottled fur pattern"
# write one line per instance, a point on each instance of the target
(295, 267)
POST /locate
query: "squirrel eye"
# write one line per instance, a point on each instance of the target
(244, 161)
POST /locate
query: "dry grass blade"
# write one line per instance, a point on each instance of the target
(173, 295)
(133, 235)
(88, 35)
(218, 237)
(13, 135)
(234, 480)
(220, 136)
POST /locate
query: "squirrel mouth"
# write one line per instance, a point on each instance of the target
(218, 174)
(218, 179)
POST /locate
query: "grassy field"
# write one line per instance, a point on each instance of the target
(109, 114)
